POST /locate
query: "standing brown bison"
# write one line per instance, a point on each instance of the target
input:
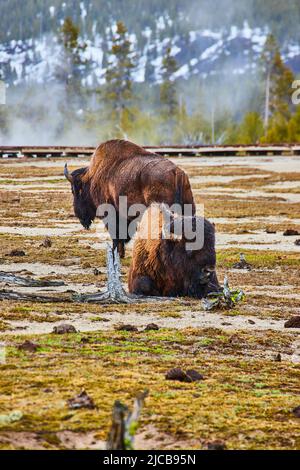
(121, 168)
(164, 265)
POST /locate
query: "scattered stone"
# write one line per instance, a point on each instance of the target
(16, 253)
(296, 412)
(293, 322)
(216, 445)
(47, 243)
(63, 329)
(252, 322)
(194, 375)
(10, 418)
(277, 357)
(86, 265)
(83, 400)
(96, 272)
(291, 233)
(126, 328)
(226, 323)
(297, 242)
(181, 376)
(28, 346)
(242, 264)
(234, 339)
(152, 327)
(271, 231)
(70, 262)
(84, 340)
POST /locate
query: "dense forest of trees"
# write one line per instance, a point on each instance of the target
(167, 112)
(40, 16)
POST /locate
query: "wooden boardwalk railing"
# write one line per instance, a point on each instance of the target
(175, 151)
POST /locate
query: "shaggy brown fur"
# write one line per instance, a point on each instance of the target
(166, 268)
(121, 168)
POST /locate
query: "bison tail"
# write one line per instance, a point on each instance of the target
(183, 193)
(179, 188)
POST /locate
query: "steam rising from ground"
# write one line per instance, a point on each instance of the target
(43, 116)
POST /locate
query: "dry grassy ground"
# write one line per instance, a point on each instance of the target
(246, 398)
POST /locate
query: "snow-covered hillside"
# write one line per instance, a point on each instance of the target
(201, 52)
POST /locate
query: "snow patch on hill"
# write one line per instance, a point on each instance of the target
(202, 53)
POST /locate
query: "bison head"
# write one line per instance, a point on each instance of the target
(84, 208)
(194, 264)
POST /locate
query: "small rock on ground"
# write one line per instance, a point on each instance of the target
(28, 346)
(216, 445)
(152, 327)
(277, 357)
(86, 265)
(181, 376)
(296, 412)
(46, 243)
(16, 253)
(83, 400)
(293, 322)
(70, 262)
(63, 329)
(126, 328)
(291, 233)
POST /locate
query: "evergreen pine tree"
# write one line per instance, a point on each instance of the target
(118, 90)
(294, 127)
(168, 95)
(251, 129)
(278, 79)
(70, 71)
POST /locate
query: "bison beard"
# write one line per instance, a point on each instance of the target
(163, 267)
(121, 168)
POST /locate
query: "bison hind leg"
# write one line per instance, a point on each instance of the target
(144, 286)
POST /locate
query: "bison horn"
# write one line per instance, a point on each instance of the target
(68, 174)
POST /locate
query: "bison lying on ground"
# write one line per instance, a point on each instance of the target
(121, 168)
(166, 266)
